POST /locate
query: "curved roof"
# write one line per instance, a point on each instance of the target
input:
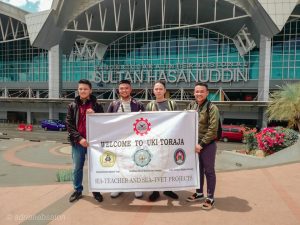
(12, 11)
(69, 19)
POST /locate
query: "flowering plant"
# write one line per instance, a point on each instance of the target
(290, 136)
(271, 140)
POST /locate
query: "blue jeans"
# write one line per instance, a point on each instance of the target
(78, 156)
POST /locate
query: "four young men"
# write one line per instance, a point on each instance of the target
(86, 103)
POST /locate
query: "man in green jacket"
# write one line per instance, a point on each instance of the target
(206, 147)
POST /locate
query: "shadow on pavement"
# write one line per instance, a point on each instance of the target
(128, 203)
(232, 204)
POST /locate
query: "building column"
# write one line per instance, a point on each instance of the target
(181, 93)
(114, 93)
(30, 92)
(55, 78)
(28, 116)
(53, 115)
(264, 77)
(146, 93)
(5, 92)
(37, 94)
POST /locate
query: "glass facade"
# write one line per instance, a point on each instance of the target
(174, 55)
(286, 53)
(80, 64)
(155, 55)
(19, 62)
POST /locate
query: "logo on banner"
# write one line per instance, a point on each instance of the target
(141, 126)
(108, 159)
(142, 157)
(179, 156)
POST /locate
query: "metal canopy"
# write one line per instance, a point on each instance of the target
(108, 20)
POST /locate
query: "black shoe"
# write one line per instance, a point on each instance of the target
(195, 197)
(171, 194)
(154, 196)
(75, 196)
(98, 196)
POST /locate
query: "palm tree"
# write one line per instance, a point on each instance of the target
(285, 105)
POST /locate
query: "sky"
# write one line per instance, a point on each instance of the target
(30, 5)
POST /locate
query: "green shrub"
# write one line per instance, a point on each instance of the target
(250, 138)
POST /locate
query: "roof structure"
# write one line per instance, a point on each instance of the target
(104, 21)
(12, 23)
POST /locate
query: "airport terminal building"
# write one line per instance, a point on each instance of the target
(243, 50)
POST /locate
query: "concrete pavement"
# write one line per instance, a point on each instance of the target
(29, 194)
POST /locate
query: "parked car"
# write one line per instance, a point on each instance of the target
(232, 133)
(53, 125)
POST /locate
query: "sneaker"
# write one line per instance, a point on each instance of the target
(98, 196)
(75, 196)
(138, 194)
(115, 194)
(195, 197)
(154, 196)
(208, 204)
(171, 194)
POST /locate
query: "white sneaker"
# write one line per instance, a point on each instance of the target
(115, 194)
(138, 194)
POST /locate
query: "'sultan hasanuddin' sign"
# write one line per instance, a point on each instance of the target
(173, 73)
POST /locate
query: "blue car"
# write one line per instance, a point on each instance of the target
(53, 125)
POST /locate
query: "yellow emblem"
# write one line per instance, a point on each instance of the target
(108, 159)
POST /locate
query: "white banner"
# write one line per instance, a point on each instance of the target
(142, 151)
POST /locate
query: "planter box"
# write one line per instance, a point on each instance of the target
(228, 160)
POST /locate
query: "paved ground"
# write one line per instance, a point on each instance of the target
(9, 131)
(29, 194)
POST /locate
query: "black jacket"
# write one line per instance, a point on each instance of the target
(135, 106)
(73, 116)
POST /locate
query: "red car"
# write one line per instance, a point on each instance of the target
(232, 133)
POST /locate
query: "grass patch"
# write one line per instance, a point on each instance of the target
(64, 175)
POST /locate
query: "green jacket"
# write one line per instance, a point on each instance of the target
(207, 129)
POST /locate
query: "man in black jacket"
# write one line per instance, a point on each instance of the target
(83, 104)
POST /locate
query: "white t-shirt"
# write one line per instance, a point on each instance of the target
(125, 106)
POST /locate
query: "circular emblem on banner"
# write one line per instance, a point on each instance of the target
(141, 126)
(142, 157)
(179, 156)
(108, 159)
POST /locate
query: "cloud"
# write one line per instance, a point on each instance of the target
(33, 1)
(41, 4)
(17, 3)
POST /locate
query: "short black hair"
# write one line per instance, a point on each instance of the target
(85, 81)
(163, 82)
(201, 84)
(125, 82)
